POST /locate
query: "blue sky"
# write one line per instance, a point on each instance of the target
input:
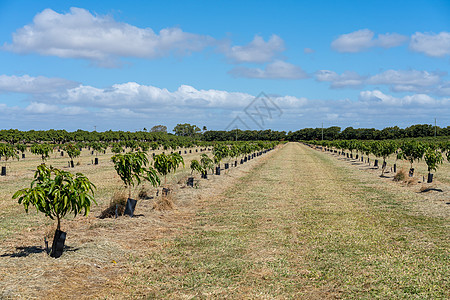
(126, 65)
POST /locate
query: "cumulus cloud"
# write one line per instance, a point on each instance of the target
(435, 45)
(34, 85)
(405, 77)
(133, 95)
(257, 51)
(378, 96)
(407, 80)
(363, 39)
(276, 70)
(131, 106)
(346, 79)
(398, 80)
(80, 34)
(44, 108)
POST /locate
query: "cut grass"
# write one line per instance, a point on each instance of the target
(298, 226)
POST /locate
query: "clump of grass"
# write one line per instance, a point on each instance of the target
(165, 202)
(400, 176)
(143, 193)
(412, 181)
(118, 200)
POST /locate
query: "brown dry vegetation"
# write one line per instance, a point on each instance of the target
(295, 223)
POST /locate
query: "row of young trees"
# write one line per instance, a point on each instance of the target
(411, 150)
(57, 193)
(227, 152)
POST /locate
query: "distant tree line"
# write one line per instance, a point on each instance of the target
(187, 132)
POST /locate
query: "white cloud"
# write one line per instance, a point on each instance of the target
(44, 108)
(435, 45)
(398, 80)
(135, 96)
(380, 97)
(363, 39)
(403, 77)
(79, 34)
(34, 85)
(131, 106)
(257, 51)
(346, 79)
(276, 70)
(390, 40)
(443, 89)
(353, 42)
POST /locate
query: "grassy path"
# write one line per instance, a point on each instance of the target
(299, 226)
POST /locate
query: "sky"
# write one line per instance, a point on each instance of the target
(280, 65)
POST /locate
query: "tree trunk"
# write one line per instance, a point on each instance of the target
(58, 226)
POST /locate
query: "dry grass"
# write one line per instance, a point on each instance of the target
(301, 225)
(164, 202)
(118, 203)
(400, 175)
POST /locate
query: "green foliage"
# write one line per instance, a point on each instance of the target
(234, 151)
(98, 147)
(445, 148)
(411, 151)
(433, 158)
(186, 130)
(72, 150)
(116, 149)
(43, 150)
(220, 151)
(154, 145)
(206, 162)
(165, 164)
(56, 193)
(196, 167)
(144, 146)
(131, 169)
(21, 147)
(159, 128)
(7, 151)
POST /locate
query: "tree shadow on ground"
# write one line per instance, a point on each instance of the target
(26, 251)
(431, 189)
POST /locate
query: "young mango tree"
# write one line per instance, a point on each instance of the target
(116, 148)
(43, 150)
(22, 148)
(433, 158)
(234, 152)
(165, 164)
(57, 193)
(385, 149)
(445, 149)
(196, 167)
(219, 152)
(207, 164)
(411, 151)
(73, 152)
(131, 169)
(7, 151)
(98, 147)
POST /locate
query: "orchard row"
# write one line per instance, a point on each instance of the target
(433, 153)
